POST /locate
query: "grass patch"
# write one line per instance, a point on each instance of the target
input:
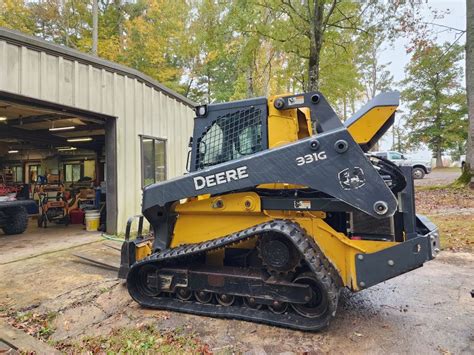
(434, 187)
(35, 324)
(456, 231)
(449, 168)
(144, 339)
(103, 290)
(464, 179)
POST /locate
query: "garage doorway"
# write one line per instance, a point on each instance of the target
(54, 147)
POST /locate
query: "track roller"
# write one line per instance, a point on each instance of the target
(252, 303)
(183, 294)
(278, 307)
(225, 300)
(203, 296)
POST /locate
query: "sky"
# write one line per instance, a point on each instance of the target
(398, 58)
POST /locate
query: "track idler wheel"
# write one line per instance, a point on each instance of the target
(146, 280)
(203, 296)
(319, 303)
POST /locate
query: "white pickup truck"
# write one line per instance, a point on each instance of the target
(420, 167)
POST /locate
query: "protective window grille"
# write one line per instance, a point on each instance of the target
(231, 136)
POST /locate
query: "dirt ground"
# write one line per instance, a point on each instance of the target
(427, 311)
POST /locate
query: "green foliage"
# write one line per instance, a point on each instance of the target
(143, 339)
(214, 51)
(436, 99)
(17, 16)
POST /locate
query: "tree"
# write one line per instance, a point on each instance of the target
(435, 98)
(154, 37)
(213, 53)
(16, 15)
(375, 77)
(95, 26)
(302, 29)
(469, 167)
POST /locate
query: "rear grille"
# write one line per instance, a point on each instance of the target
(368, 227)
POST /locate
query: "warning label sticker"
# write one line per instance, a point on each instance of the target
(296, 100)
(302, 204)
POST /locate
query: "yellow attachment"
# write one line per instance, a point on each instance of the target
(366, 127)
(143, 249)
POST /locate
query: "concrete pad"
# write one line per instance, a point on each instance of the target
(38, 241)
(18, 340)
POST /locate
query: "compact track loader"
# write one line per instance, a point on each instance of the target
(282, 207)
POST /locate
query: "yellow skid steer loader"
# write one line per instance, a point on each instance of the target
(282, 207)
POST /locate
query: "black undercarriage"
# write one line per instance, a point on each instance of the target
(302, 296)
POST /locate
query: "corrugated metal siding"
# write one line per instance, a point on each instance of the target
(139, 108)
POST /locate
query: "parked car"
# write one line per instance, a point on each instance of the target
(420, 167)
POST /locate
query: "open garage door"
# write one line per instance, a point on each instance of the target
(61, 153)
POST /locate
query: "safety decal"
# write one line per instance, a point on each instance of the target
(351, 179)
(302, 205)
(295, 100)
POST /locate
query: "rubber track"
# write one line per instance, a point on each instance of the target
(315, 260)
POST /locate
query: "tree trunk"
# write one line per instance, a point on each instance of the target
(439, 158)
(95, 26)
(250, 82)
(316, 39)
(118, 5)
(344, 101)
(470, 84)
(268, 68)
(208, 86)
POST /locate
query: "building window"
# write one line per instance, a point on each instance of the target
(153, 160)
(72, 172)
(35, 171)
(17, 173)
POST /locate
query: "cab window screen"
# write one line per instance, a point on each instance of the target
(231, 136)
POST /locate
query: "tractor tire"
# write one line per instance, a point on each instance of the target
(418, 173)
(17, 220)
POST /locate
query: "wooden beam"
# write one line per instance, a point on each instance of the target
(46, 139)
(35, 119)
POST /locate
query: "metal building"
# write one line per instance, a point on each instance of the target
(134, 126)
